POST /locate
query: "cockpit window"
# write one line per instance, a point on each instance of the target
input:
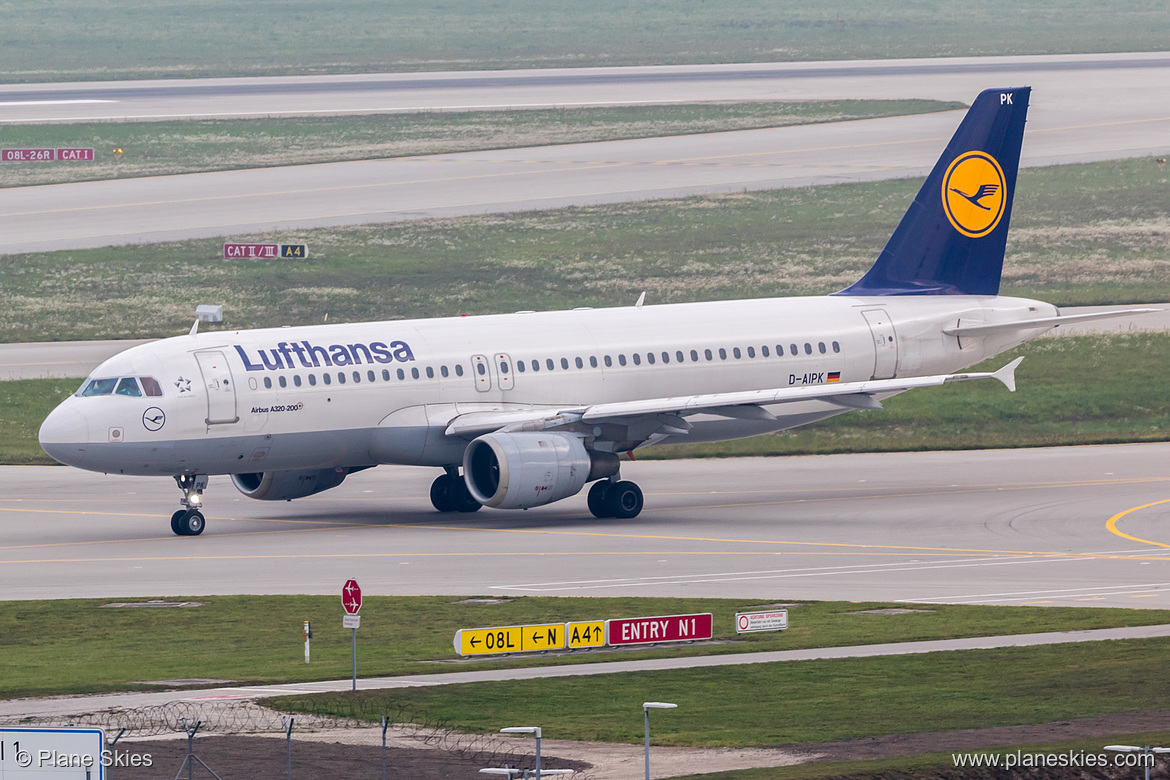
(150, 386)
(128, 386)
(99, 387)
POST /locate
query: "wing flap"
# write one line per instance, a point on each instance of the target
(1042, 322)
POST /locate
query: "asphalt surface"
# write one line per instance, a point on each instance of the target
(56, 706)
(1084, 108)
(989, 527)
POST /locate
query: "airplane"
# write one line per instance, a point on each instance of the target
(521, 410)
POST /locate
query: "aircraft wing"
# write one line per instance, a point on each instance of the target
(747, 404)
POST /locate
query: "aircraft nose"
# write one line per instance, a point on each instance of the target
(65, 435)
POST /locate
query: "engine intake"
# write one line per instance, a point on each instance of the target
(522, 470)
(287, 485)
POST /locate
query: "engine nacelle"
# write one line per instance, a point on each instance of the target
(521, 470)
(287, 485)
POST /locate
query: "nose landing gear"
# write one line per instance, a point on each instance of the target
(189, 521)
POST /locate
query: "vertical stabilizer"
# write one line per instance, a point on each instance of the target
(951, 240)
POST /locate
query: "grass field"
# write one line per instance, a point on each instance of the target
(76, 646)
(1091, 233)
(806, 701)
(105, 39)
(158, 148)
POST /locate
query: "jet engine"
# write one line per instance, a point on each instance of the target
(287, 485)
(522, 470)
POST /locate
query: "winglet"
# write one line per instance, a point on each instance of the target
(1007, 374)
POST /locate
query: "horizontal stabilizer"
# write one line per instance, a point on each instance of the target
(1044, 322)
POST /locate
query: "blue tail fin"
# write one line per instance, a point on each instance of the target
(951, 240)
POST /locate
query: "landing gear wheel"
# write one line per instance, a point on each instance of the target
(450, 494)
(597, 503)
(441, 498)
(461, 497)
(623, 500)
(188, 522)
(193, 524)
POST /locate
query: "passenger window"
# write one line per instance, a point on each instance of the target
(637, 359)
(443, 370)
(779, 350)
(650, 358)
(535, 365)
(737, 353)
(679, 356)
(430, 372)
(297, 380)
(807, 348)
(694, 356)
(836, 347)
(267, 383)
(357, 377)
(312, 380)
(480, 368)
(282, 381)
(150, 386)
(593, 361)
(459, 370)
(751, 352)
(792, 348)
(386, 374)
(328, 378)
(414, 373)
(763, 351)
(128, 387)
(621, 360)
(341, 377)
(549, 364)
(519, 367)
(503, 368)
(722, 353)
(370, 376)
(708, 354)
(401, 375)
(665, 357)
(100, 387)
(608, 361)
(580, 363)
(565, 363)
(821, 347)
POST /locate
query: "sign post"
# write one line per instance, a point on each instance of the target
(351, 601)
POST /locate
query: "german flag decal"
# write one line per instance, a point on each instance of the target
(834, 376)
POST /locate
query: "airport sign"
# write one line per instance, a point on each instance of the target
(298, 251)
(75, 155)
(351, 597)
(582, 635)
(770, 620)
(27, 155)
(510, 639)
(666, 628)
(251, 251)
(351, 621)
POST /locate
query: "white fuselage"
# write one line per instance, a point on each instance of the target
(348, 396)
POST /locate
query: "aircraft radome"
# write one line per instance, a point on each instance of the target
(520, 410)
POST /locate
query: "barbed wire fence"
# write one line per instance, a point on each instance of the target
(357, 722)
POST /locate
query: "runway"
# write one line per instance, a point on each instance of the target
(1084, 108)
(1080, 526)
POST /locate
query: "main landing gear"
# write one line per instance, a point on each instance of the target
(189, 520)
(449, 493)
(617, 498)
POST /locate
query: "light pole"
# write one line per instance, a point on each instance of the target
(527, 730)
(646, 707)
(1146, 751)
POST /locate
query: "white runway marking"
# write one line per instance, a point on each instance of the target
(51, 102)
